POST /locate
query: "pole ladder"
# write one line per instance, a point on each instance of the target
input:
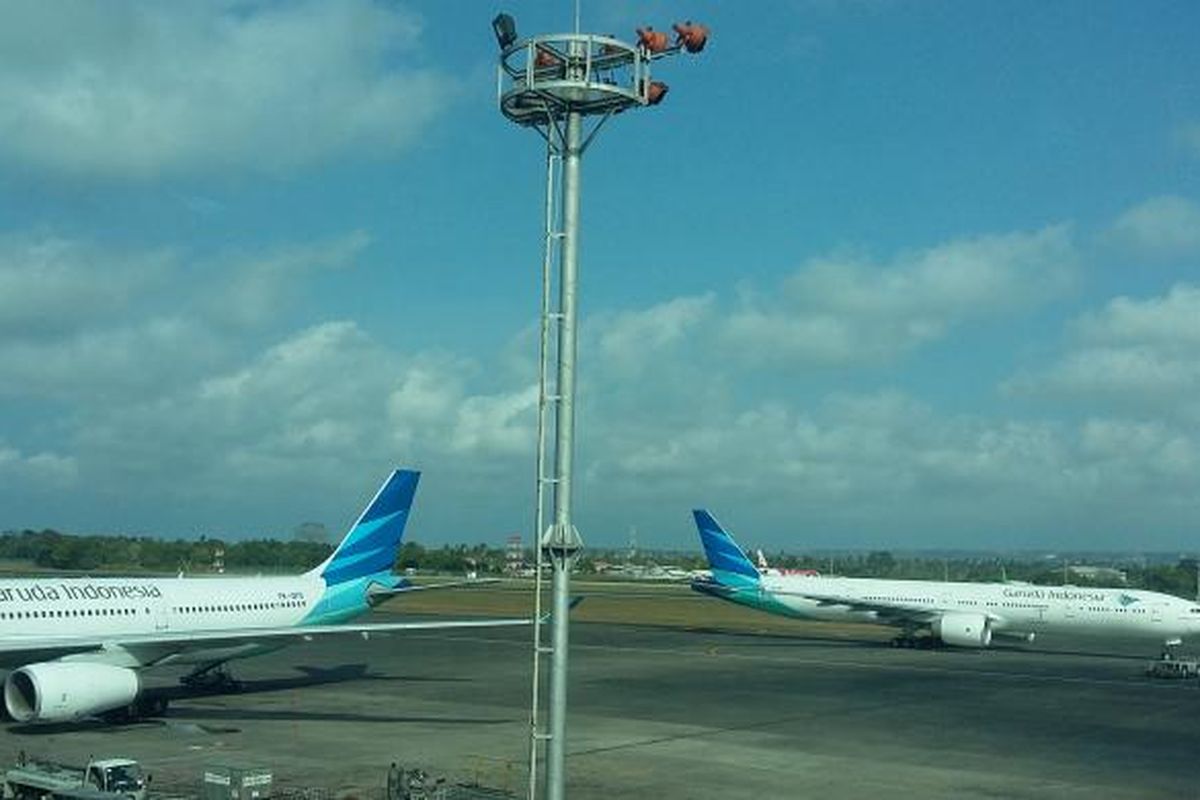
(548, 402)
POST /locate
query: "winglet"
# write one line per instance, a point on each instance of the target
(725, 558)
(371, 543)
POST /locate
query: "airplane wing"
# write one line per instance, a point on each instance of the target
(887, 611)
(149, 649)
(377, 593)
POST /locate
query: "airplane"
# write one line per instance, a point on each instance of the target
(77, 647)
(957, 614)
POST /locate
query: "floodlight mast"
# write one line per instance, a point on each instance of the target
(566, 86)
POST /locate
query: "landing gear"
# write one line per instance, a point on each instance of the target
(1169, 649)
(211, 678)
(909, 639)
(151, 705)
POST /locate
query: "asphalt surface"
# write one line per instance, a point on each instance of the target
(668, 713)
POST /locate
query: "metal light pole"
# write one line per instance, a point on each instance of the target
(566, 86)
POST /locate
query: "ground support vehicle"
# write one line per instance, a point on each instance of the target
(111, 778)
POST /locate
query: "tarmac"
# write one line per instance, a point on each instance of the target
(670, 713)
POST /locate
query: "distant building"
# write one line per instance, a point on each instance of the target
(514, 555)
(1109, 574)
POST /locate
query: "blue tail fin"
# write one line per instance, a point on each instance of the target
(370, 546)
(725, 558)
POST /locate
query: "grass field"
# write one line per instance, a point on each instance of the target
(662, 605)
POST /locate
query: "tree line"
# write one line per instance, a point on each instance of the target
(51, 550)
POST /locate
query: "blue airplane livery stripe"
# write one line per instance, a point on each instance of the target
(397, 495)
(371, 545)
(372, 535)
(723, 553)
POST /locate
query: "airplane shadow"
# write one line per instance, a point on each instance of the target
(774, 639)
(200, 716)
(777, 639)
(308, 677)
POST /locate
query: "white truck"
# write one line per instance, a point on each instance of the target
(107, 779)
(1174, 668)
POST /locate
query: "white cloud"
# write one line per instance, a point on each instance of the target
(1122, 445)
(844, 310)
(852, 448)
(103, 362)
(44, 470)
(258, 285)
(499, 424)
(79, 319)
(50, 285)
(1161, 227)
(203, 415)
(138, 90)
(323, 404)
(631, 340)
(1139, 354)
(1171, 321)
(906, 474)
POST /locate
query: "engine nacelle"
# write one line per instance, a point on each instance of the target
(963, 630)
(63, 691)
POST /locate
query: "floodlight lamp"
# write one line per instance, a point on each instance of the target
(691, 36)
(652, 41)
(505, 28)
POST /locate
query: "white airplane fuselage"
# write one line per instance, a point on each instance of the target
(1011, 608)
(962, 614)
(121, 608)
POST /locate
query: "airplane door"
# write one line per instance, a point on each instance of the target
(1039, 618)
(162, 622)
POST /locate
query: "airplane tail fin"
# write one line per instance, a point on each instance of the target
(370, 545)
(727, 560)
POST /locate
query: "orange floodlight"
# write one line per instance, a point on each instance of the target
(653, 41)
(546, 59)
(691, 36)
(656, 91)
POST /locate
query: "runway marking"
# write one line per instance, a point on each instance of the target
(710, 651)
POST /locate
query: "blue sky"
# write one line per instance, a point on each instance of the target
(898, 274)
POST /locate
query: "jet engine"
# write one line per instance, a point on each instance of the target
(62, 691)
(963, 630)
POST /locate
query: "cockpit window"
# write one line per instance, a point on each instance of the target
(124, 778)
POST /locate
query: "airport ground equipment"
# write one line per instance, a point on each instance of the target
(558, 85)
(227, 782)
(1174, 668)
(111, 778)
